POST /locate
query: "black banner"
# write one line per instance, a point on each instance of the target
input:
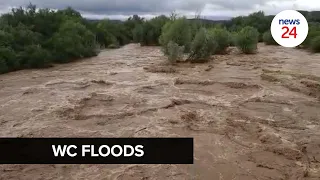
(96, 150)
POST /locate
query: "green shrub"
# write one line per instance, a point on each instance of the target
(137, 33)
(130, 24)
(9, 56)
(106, 29)
(6, 38)
(196, 24)
(34, 57)
(27, 40)
(315, 44)
(112, 40)
(174, 52)
(73, 41)
(106, 38)
(232, 38)
(221, 37)
(178, 31)
(148, 36)
(203, 46)
(3, 66)
(152, 29)
(314, 31)
(24, 36)
(268, 39)
(247, 40)
(260, 37)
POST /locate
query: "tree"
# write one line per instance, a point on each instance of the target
(137, 33)
(149, 32)
(203, 46)
(221, 37)
(247, 40)
(73, 41)
(131, 23)
(109, 32)
(34, 56)
(178, 31)
(27, 40)
(9, 58)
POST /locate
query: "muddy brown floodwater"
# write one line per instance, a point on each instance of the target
(251, 116)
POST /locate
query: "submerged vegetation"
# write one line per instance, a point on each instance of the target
(37, 38)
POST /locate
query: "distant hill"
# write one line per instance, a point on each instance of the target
(209, 21)
(97, 20)
(217, 18)
(206, 21)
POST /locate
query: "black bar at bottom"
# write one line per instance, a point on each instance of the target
(96, 151)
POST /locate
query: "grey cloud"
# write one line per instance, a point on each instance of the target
(129, 7)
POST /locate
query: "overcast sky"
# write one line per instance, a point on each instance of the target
(120, 9)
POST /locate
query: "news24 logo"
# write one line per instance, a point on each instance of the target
(289, 28)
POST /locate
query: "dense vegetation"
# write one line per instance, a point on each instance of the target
(244, 32)
(38, 38)
(315, 44)
(268, 39)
